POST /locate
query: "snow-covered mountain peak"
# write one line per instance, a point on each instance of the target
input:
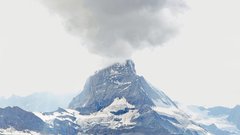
(118, 81)
(124, 68)
(119, 104)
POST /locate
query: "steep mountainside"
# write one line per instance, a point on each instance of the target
(118, 80)
(19, 119)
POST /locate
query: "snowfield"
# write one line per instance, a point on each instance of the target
(118, 114)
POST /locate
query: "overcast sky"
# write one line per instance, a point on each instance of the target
(200, 65)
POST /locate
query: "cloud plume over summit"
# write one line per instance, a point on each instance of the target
(115, 28)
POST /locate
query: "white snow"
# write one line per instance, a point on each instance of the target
(105, 117)
(121, 83)
(166, 111)
(113, 72)
(194, 127)
(126, 87)
(102, 117)
(202, 117)
(50, 118)
(46, 118)
(12, 131)
(118, 104)
(180, 116)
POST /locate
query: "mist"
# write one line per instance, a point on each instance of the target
(117, 28)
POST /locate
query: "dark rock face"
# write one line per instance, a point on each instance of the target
(64, 127)
(118, 80)
(20, 120)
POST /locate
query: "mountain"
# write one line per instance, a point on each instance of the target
(234, 116)
(218, 111)
(37, 102)
(14, 120)
(217, 120)
(118, 80)
(115, 100)
(20, 120)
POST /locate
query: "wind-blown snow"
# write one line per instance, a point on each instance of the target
(107, 118)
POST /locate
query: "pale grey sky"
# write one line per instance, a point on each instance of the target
(201, 65)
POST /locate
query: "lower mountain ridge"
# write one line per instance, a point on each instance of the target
(114, 100)
(37, 102)
(217, 120)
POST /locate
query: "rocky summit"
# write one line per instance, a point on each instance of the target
(117, 81)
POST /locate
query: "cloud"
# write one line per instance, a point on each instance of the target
(116, 28)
